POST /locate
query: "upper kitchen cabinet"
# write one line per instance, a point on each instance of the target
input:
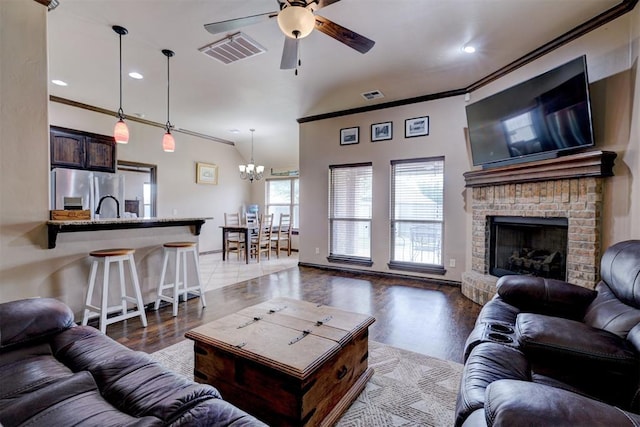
(82, 150)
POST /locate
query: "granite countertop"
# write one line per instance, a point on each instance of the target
(124, 221)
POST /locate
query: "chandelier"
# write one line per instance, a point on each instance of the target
(251, 171)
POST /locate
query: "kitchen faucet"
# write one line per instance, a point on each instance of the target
(109, 196)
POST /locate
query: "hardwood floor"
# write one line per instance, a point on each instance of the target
(410, 314)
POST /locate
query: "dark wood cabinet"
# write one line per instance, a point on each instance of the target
(82, 150)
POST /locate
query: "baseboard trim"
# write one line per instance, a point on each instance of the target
(431, 280)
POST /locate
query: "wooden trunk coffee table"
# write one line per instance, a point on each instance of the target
(287, 362)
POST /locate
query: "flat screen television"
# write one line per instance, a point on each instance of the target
(540, 118)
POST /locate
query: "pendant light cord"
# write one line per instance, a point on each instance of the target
(168, 53)
(168, 86)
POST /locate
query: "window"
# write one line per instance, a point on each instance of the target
(350, 196)
(282, 197)
(417, 191)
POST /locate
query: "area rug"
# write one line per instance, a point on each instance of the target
(407, 389)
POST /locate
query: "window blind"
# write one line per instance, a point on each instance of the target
(350, 209)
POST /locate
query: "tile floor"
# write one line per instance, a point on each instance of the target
(216, 273)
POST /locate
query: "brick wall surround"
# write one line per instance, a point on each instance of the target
(579, 199)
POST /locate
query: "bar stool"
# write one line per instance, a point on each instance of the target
(180, 250)
(108, 256)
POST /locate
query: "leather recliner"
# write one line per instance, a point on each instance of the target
(546, 352)
(55, 373)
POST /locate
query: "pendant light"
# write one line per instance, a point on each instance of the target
(168, 143)
(121, 131)
(251, 171)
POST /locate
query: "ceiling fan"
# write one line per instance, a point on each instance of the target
(296, 19)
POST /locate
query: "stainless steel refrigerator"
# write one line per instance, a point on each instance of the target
(80, 189)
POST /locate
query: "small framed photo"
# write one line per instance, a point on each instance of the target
(206, 173)
(381, 131)
(350, 136)
(418, 126)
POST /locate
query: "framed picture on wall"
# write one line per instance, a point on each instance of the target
(350, 136)
(381, 131)
(206, 173)
(418, 126)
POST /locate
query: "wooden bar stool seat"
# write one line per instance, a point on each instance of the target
(106, 257)
(179, 251)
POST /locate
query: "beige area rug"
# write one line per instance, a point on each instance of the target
(407, 389)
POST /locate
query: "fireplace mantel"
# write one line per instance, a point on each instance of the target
(593, 163)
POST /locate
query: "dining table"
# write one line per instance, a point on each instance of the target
(244, 229)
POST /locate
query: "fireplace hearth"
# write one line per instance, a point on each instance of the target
(531, 246)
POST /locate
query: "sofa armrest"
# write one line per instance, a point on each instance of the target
(545, 296)
(512, 403)
(30, 320)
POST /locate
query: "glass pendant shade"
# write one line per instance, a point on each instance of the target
(168, 143)
(121, 132)
(296, 21)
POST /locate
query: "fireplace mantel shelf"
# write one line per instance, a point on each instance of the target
(589, 163)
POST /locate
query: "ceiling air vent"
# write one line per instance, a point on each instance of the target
(233, 48)
(374, 94)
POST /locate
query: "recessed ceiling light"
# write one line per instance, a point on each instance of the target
(59, 82)
(469, 49)
(234, 130)
(135, 75)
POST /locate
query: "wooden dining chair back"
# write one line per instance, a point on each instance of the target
(261, 243)
(234, 242)
(282, 239)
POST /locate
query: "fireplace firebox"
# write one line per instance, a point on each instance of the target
(528, 245)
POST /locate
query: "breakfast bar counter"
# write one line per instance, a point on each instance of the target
(69, 226)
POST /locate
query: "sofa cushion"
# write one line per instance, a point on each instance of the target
(29, 320)
(609, 313)
(545, 296)
(556, 339)
(487, 362)
(519, 403)
(27, 369)
(620, 269)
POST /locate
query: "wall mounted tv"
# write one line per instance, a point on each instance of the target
(541, 118)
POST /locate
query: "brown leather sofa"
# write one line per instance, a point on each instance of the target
(546, 352)
(55, 373)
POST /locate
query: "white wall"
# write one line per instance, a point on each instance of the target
(612, 58)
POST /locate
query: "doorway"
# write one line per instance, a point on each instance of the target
(140, 188)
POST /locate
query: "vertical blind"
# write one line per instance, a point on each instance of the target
(417, 193)
(350, 198)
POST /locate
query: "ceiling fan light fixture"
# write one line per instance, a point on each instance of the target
(296, 22)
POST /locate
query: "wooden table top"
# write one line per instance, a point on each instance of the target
(292, 336)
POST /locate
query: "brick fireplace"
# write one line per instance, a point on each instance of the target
(568, 187)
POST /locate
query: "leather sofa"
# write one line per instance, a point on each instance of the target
(546, 352)
(55, 373)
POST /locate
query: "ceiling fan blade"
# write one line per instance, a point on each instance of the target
(289, 54)
(234, 24)
(344, 35)
(325, 3)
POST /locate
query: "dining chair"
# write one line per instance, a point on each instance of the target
(234, 242)
(282, 239)
(262, 241)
